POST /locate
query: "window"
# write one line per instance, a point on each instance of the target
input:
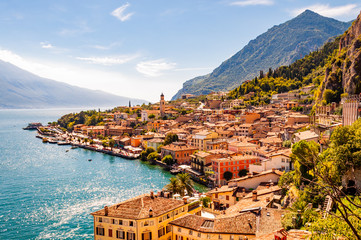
(114, 221)
(130, 236)
(146, 223)
(227, 197)
(160, 219)
(161, 232)
(179, 230)
(131, 223)
(219, 236)
(176, 212)
(147, 236)
(199, 235)
(100, 219)
(120, 234)
(168, 228)
(110, 232)
(120, 222)
(100, 231)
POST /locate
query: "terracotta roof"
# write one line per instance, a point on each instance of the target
(138, 208)
(258, 175)
(243, 223)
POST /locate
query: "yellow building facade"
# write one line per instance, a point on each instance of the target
(143, 218)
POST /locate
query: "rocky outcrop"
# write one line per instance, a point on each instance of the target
(344, 74)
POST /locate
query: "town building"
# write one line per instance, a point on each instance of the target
(180, 151)
(144, 217)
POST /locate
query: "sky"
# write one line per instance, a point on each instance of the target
(140, 48)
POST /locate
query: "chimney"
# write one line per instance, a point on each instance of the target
(254, 195)
(151, 194)
(150, 212)
(106, 210)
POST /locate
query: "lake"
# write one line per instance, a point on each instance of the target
(47, 192)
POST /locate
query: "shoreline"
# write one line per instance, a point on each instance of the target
(60, 139)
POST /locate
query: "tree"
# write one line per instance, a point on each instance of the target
(227, 175)
(151, 116)
(173, 185)
(242, 172)
(185, 183)
(171, 137)
(111, 143)
(206, 201)
(144, 154)
(329, 96)
(322, 174)
(168, 159)
(153, 156)
(159, 148)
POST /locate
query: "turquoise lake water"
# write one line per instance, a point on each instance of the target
(48, 193)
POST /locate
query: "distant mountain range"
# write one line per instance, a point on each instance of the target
(280, 45)
(22, 89)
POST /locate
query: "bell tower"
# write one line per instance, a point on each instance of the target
(162, 105)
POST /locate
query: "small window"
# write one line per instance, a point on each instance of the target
(168, 228)
(190, 232)
(100, 231)
(219, 236)
(120, 222)
(160, 219)
(146, 223)
(114, 221)
(120, 234)
(100, 219)
(199, 234)
(131, 223)
(179, 230)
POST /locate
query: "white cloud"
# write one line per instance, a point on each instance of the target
(154, 68)
(252, 2)
(109, 60)
(46, 45)
(328, 11)
(120, 13)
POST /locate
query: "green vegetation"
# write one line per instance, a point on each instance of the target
(144, 154)
(89, 118)
(168, 159)
(286, 78)
(182, 184)
(280, 45)
(317, 175)
(171, 137)
(227, 175)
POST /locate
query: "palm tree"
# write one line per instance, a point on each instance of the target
(173, 185)
(185, 183)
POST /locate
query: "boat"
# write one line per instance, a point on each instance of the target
(67, 150)
(74, 147)
(63, 143)
(89, 160)
(175, 171)
(33, 126)
(53, 141)
(45, 140)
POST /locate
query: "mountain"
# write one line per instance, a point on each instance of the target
(343, 73)
(280, 45)
(22, 89)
